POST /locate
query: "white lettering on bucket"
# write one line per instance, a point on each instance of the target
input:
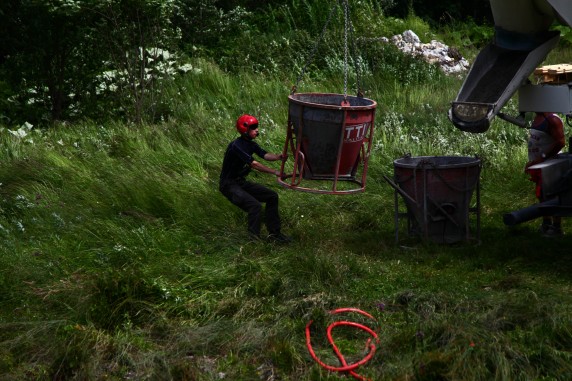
(356, 132)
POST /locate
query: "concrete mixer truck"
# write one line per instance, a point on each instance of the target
(522, 41)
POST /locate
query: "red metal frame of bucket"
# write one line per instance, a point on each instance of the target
(291, 142)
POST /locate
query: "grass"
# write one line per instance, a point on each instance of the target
(121, 260)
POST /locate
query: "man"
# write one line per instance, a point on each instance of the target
(545, 142)
(249, 196)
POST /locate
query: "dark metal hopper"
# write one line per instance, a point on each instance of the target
(437, 191)
(330, 137)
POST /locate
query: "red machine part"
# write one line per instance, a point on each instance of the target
(536, 177)
(345, 368)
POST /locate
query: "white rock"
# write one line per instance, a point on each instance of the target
(434, 52)
(410, 37)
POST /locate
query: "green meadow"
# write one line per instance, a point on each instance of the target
(120, 259)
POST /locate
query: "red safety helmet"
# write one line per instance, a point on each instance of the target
(246, 122)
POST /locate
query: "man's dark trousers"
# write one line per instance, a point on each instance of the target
(249, 197)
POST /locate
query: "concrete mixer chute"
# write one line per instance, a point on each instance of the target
(522, 41)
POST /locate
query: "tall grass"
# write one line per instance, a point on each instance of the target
(121, 260)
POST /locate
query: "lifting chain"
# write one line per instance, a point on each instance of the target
(315, 49)
(348, 35)
(355, 57)
(346, 28)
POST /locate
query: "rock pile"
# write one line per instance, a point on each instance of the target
(447, 58)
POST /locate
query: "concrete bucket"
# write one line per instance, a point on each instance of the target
(437, 191)
(329, 136)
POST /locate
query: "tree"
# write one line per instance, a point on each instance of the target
(45, 56)
(54, 54)
(140, 39)
(443, 11)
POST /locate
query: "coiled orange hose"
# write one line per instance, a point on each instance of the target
(349, 368)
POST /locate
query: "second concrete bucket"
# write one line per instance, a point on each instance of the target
(437, 191)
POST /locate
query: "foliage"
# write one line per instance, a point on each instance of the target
(439, 13)
(120, 258)
(467, 36)
(565, 33)
(138, 36)
(389, 66)
(107, 59)
(48, 61)
(206, 28)
(55, 68)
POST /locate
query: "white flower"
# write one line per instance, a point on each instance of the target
(19, 133)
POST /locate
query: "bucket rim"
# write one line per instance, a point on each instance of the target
(469, 161)
(371, 106)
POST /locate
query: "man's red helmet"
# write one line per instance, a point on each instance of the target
(246, 122)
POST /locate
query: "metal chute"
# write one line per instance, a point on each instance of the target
(522, 41)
